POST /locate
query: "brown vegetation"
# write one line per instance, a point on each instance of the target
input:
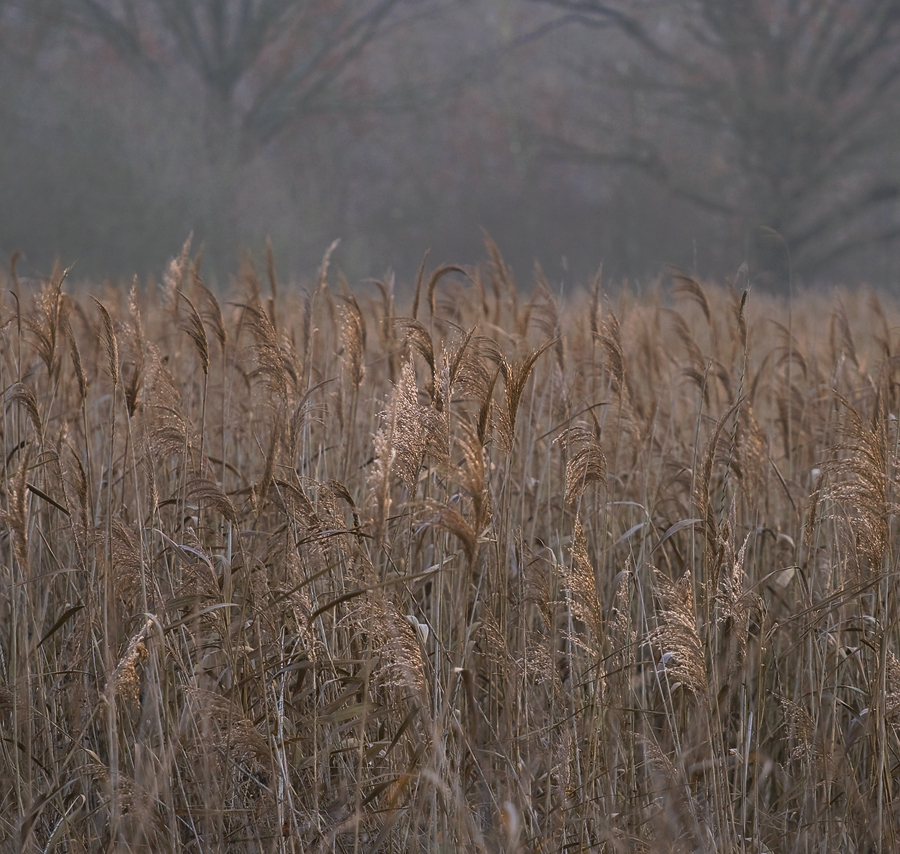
(298, 572)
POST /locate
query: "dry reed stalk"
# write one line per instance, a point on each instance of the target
(515, 376)
(681, 657)
(353, 338)
(587, 463)
(173, 279)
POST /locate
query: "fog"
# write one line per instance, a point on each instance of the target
(699, 137)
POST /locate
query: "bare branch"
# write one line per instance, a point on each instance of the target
(797, 97)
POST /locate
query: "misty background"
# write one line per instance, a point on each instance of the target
(632, 134)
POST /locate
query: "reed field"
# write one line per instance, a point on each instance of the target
(491, 569)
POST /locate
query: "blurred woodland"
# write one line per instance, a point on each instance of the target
(696, 133)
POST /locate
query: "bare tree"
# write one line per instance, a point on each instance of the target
(247, 72)
(25, 27)
(781, 114)
(263, 63)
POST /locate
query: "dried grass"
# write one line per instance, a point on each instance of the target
(595, 574)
